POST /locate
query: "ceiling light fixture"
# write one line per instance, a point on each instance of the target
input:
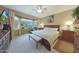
(39, 9)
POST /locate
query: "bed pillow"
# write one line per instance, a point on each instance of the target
(53, 29)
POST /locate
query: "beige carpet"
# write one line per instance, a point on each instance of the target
(22, 44)
(64, 47)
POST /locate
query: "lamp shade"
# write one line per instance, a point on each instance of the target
(69, 23)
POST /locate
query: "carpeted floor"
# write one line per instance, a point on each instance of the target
(64, 47)
(22, 44)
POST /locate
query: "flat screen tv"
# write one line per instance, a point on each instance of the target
(4, 15)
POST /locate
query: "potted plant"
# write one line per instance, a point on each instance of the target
(2, 18)
(76, 15)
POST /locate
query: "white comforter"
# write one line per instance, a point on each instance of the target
(50, 36)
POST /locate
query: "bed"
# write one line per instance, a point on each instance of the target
(48, 35)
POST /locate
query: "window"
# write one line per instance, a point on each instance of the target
(30, 24)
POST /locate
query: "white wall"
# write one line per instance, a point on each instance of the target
(61, 18)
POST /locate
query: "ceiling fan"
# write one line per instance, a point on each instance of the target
(39, 9)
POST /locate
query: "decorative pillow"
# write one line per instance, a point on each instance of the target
(47, 28)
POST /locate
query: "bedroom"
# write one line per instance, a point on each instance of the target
(42, 19)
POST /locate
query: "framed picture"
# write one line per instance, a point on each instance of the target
(50, 19)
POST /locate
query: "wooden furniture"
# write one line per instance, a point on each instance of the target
(4, 41)
(35, 38)
(76, 41)
(68, 36)
(24, 30)
(65, 44)
(53, 26)
(40, 41)
(43, 40)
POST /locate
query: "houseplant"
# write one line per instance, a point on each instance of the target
(2, 19)
(76, 15)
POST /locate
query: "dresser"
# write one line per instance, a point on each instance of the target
(68, 36)
(65, 43)
(4, 41)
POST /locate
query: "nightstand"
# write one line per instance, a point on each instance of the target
(68, 36)
(65, 43)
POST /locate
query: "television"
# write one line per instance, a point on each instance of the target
(4, 15)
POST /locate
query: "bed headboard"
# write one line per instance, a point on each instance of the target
(53, 26)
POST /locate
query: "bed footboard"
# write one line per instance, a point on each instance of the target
(46, 44)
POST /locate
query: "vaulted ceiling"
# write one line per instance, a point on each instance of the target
(50, 9)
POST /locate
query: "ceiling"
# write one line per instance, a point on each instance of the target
(50, 9)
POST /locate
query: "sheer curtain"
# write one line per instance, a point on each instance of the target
(16, 25)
